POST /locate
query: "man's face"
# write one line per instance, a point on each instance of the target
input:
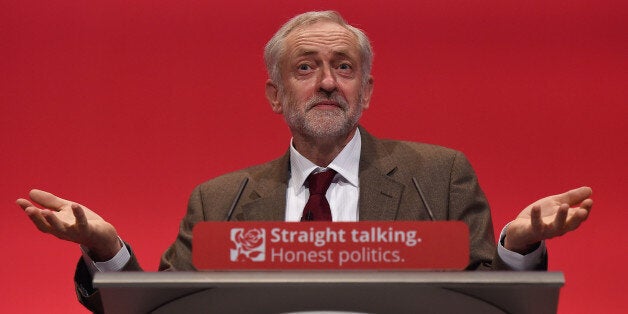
(321, 93)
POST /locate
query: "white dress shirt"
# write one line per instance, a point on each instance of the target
(342, 194)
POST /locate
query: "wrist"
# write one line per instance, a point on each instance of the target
(105, 251)
(522, 249)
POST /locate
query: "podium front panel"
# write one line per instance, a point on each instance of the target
(358, 291)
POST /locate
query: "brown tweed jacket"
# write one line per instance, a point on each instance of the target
(386, 193)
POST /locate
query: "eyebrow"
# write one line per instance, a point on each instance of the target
(340, 53)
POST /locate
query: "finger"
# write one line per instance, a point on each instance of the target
(561, 217)
(575, 196)
(35, 215)
(578, 216)
(582, 212)
(79, 215)
(24, 203)
(535, 218)
(47, 200)
(56, 225)
(587, 204)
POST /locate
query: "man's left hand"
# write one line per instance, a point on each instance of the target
(548, 217)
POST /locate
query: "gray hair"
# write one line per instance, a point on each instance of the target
(276, 46)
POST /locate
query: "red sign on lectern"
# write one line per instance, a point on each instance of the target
(438, 245)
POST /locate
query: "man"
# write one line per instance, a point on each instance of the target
(319, 79)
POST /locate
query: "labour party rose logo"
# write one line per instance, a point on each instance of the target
(250, 245)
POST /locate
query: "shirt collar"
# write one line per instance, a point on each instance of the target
(347, 163)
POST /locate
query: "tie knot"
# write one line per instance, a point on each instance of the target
(318, 183)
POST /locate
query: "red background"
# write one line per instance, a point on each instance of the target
(126, 105)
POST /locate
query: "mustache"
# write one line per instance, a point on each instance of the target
(333, 98)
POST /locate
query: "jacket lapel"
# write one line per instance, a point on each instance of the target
(380, 193)
(266, 198)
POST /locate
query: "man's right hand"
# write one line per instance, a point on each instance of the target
(71, 221)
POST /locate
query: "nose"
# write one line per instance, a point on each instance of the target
(328, 83)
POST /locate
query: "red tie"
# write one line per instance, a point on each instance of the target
(317, 207)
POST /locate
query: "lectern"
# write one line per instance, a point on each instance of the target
(330, 291)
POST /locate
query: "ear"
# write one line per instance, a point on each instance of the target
(272, 94)
(367, 92)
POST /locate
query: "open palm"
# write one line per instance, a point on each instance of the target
(548, 217)
(72, 222)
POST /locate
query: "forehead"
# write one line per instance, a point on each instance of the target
(322, 37)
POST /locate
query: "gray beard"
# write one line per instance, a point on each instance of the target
(318, 123)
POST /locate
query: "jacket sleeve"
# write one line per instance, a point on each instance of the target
(468, 203)
(83, 283)
(179, 255)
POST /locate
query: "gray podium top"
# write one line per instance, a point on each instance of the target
(330, 291)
